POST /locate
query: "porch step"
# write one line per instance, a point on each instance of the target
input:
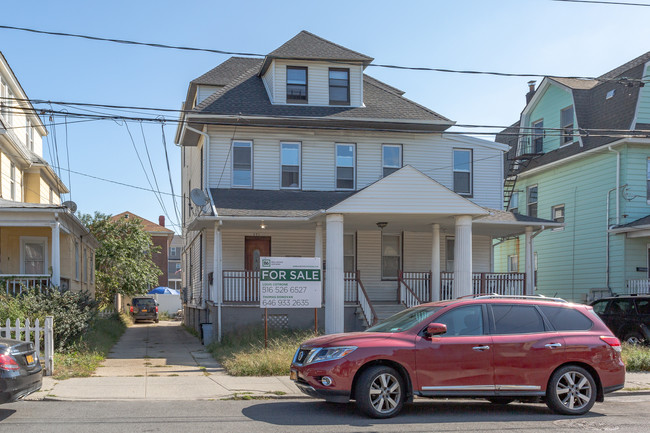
(384, 309)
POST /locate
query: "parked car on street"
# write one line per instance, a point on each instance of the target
(20, 370)
(627, 316)
(499, 348)
(144, 308)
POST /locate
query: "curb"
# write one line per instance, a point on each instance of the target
(231, 397)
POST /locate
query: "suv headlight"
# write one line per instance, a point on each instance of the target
(328, 354)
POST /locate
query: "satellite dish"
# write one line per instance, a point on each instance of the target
(199, 197)
(70, 205)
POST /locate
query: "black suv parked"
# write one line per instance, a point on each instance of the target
(627, 316)
(144, 309)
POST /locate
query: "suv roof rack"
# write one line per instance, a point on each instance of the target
(535, 297)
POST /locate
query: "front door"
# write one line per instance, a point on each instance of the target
(460, 361)
(254, 248)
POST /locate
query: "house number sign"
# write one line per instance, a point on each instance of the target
(290, 282)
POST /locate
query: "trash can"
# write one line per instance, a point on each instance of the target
(206, 333)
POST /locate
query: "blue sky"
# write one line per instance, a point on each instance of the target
(527, 36)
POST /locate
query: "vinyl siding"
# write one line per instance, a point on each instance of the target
(317, 81)
(429, 153)
(634, 165)
(269, 80)
(571, 262)
(554, 99)
(643, 112)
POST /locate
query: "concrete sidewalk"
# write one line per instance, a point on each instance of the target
(165, 362)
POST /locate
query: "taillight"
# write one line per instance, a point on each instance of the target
(8, 363)
(156, 309)
(131, 310)
(614, 342)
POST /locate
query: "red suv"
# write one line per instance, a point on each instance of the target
(494, 347)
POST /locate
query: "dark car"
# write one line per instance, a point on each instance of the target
(20, 370)
(499, 348)
(627, 316)
(144, 309)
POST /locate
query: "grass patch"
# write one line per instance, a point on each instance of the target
(636, 358)
(192, 331)
(243, 353)
(83, 358)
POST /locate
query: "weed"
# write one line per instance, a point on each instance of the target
(636, 358)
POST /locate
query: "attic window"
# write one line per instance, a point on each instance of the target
(297, 84)
(610, 94)
(566, 119)
(339, 80)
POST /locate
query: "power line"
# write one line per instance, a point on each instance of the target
(604, 2)
(216, 51)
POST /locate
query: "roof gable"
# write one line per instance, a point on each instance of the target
(407, 191)
(149, 226)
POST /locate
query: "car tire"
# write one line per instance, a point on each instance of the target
(157, 320)
(571, 391)
(380, 392)
(634, 338)
(500, 400)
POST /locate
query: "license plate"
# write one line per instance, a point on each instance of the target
(30, 359)
(144, 310)
(293, 375)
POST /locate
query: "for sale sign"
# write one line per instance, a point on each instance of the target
(290, 282)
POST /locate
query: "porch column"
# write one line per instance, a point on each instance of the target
(463, 257)
(334, 279)
(435, 263)
(318, 241)
(56, 254)
(530, 268)
(217, 275)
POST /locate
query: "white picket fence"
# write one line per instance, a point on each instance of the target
(32, 334)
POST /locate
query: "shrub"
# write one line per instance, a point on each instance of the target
(636, 358)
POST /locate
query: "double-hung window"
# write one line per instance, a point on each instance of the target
(348, 253)
(242, 164)
(34, 255)
(538, 136)
(345, 158)
(557, 215)
(391, 256)
(13, 186)
(566, 124)
(532, 201)
(391, 156)
(290, 165)
(297, 84)
(339, 81)
(463, 171)
(513, 263)
(514, 202)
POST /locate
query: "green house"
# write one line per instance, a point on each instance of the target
(580, 155)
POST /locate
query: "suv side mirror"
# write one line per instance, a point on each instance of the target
(436, 329)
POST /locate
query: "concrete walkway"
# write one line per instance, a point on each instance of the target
(164, 362)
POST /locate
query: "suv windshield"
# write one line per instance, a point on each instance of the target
(404, 320)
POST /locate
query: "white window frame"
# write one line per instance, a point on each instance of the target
(354, 166)
(384, 166)
(241, 144)
(528, 202)
(514, 200)
(400, 265)
(565, 140)
(513, 258)
(282, 143)
(537, 132)
(470, 171)
(12, 181)
(354, 251)
(32, 240)
(553, 209)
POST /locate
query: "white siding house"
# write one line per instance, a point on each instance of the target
(303, 155)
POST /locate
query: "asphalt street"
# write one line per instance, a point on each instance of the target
(625, 413)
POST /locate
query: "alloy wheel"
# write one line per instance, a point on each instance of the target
(574, 390)
(385, 393)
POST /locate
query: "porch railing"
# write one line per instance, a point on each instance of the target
(16, 284)
(419, 283)
(368, 311)
(350, 286)
(241, 287)
(638, 286)
(406, 295)
(486, 282)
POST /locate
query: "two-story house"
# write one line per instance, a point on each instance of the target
(301, 154)
(581, 155)
(41, 240)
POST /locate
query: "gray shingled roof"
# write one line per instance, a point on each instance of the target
(638, 223)
(503, 216)
(8, 204)
(227, 71)
(594, 111)
(282, 203)
(306, 45)
(247, 96)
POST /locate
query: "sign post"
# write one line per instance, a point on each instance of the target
(291, 282)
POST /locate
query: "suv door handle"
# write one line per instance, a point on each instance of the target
(480, 348)
(553, 345)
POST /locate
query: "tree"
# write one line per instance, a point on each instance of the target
(123, 261)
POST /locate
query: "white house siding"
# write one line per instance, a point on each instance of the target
(317, 82)
(202, 92)
(369, 266)
(429, 153)
(195, 284)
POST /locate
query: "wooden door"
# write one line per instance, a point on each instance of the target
(254, 248)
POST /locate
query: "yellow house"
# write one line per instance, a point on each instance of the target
(42, 242)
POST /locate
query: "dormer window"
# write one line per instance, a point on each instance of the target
(538, 136)
(566, 120)
(297, 84)
(339, 80)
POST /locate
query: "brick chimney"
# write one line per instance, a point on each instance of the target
(531, 91)
(161, 220)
